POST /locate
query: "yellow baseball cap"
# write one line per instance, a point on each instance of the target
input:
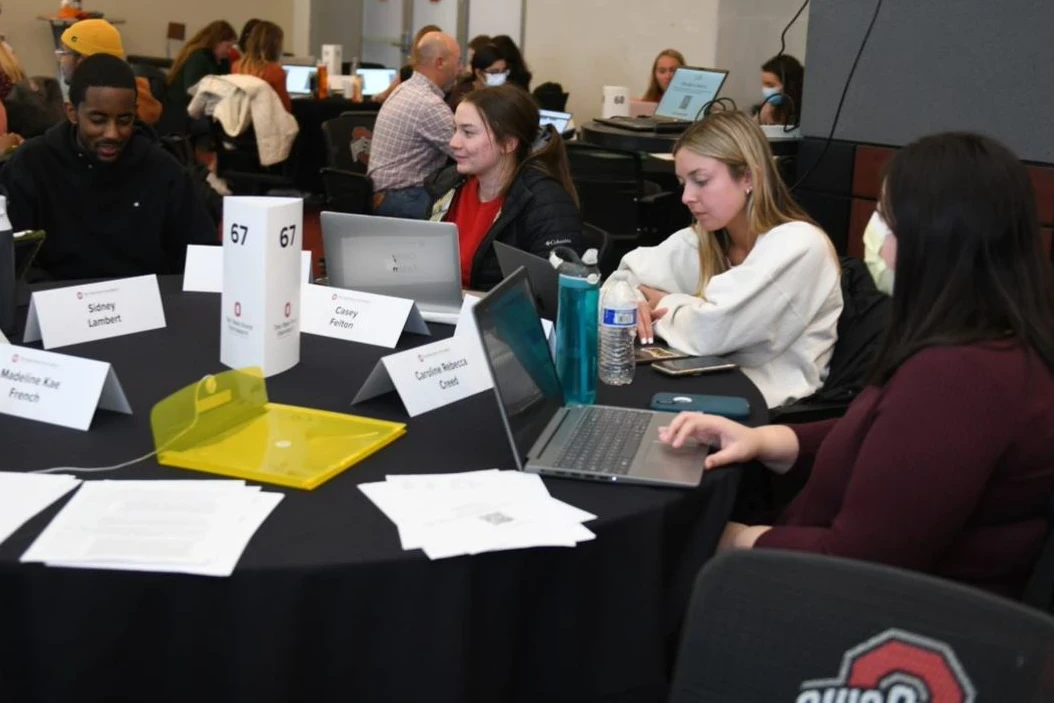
(89, 37)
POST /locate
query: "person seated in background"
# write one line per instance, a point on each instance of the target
(662, 70)
(238, 50)
(112, 201)
(263, 49)
(411, 137)
(519, 73)
(753, 279)
(478, 41)
(880, 251)
(405, 72)
(944, 464)
(782, 79)
(207, 53)
(488, 69)
(90, 37)
(515, 184)
(8, 140)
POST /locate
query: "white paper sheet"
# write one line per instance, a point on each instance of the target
(24, 495)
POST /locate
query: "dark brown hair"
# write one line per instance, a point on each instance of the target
(970, 267)
(208, 37)
(508, 111)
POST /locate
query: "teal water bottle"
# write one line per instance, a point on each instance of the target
(576, 324)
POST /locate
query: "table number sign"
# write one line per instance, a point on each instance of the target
(260, 303)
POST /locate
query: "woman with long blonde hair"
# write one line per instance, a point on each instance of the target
(662, 70)
(207, 53)
(263, 49)
(11, 71)
(754, 279)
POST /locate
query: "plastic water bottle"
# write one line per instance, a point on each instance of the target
(7, 271)
(576, 324)
(618, 328)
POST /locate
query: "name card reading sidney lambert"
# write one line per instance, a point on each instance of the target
(56, 388)
(87, 313)
(431, 376)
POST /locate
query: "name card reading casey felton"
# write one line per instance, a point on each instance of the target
(358, 317)
(77, 314)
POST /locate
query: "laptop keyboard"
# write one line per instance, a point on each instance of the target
(605, 441)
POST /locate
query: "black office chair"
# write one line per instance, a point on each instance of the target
(238, 163)
(348, 139)
(614, 195)
(595, 238)
(347, 191)
(772, 625)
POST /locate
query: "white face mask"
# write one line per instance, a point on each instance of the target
(774, 96)
(495, 79)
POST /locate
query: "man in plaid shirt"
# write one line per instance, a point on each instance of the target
(411, 138)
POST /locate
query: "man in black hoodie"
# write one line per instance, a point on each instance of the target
(112, 201)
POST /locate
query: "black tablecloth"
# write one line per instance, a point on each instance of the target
(324, 605)
(309, 150)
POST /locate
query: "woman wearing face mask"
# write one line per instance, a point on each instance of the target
(512, 184)
(662, 70)
(754, 279)
(488, 70)
(782, 78)
(880, 250)
(942, 464)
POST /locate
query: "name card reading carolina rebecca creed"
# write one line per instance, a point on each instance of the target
(56, 388)
(431, 376)
(358, 317)
(77, 314)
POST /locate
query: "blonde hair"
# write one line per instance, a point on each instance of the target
(10, 66)
(263, 46)
(654, 92)
(209, 37)
(736, 140)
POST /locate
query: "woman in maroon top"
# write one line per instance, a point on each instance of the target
(945, 462)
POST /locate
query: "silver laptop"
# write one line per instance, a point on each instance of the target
(411, 259)
(298, 80)
(690, 90)
(545, 281)
(376, 80)
(592, 442)
(559, 120)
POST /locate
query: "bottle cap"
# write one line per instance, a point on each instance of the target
(590, 257)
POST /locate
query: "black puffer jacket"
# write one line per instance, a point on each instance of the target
(537, 216)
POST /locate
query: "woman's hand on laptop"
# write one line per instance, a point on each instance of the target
(775, 446)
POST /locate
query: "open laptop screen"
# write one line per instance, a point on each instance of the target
(376, 80)
(525, 378)
(689, 91)
(559, 120)
(298, 79)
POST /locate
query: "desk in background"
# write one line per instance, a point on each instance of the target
(325, 605)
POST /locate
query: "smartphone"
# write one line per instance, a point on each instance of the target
(657, 352)
(731, 407)
(693, 366)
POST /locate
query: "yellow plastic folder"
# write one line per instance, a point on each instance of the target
(223, 424)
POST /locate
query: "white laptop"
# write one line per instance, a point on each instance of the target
(298, 80)
(376, 80)
(412, 259)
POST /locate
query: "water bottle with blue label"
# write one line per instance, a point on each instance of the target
(576, 324)
(618, 329)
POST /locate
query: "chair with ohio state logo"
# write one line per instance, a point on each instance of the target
(344, 179)
(770, 625)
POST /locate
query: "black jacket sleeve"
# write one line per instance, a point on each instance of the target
(551, 220)
(19, 188)
(186, 222)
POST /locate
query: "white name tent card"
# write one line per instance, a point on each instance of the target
(203, 272)
(56, 388)
(77, 314)
(466, 321)
(431, 376)
(260, 308)
(358, 317)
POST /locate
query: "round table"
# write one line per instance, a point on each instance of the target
(626, 139)
(324, 605)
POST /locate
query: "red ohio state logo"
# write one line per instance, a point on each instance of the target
(237, 309)
(894, 667)
(288, 309)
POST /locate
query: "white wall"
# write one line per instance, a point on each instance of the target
(587, 44)
(496, 17)
(144, 31)
(749, 35)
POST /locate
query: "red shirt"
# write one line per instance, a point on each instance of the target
(473, 219)
(948, 469)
